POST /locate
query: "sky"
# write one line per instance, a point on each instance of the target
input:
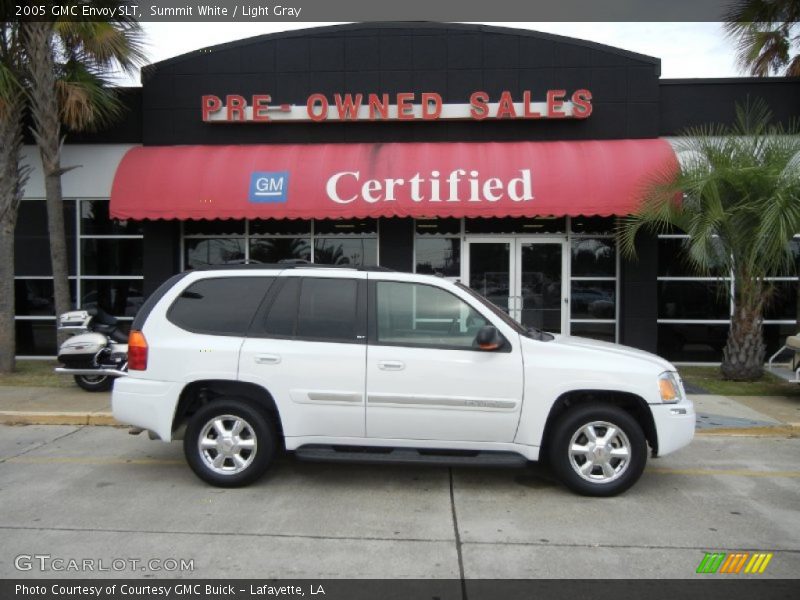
(686, 49)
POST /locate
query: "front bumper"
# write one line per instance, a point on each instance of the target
(675, 424)
(147, 404)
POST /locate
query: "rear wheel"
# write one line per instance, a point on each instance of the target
(229, 443)
(94, 383)
(598, 450)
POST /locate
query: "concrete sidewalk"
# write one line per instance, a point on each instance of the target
(73, 406)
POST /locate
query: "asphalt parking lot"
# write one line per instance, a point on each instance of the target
(99, 493)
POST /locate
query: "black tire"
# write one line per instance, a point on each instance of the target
(94, 383)
(595, 481)
(257, 426)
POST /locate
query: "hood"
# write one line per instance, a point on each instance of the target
(617, 349)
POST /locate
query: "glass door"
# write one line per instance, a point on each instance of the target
(542, 299)
(524, 276)
(489, 269)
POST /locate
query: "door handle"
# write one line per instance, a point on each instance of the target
(267, 359)
(391, 365)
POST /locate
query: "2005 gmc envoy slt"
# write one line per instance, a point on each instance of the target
(372, 365)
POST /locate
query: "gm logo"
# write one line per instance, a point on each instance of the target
(268, 186)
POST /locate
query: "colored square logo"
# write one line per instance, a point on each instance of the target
(269, 186)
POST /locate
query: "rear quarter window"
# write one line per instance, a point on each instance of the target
(219, 306)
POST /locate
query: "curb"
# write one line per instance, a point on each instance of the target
(15, 417)
(781, 429)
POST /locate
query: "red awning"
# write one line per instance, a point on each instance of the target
(497, 179)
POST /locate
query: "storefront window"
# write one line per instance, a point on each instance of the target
(594, 300)
(594, 257)
(693, 300)
(34, 297)
(105, 269)
(96, 221)
(104, 256)
(32, 241)
(282, 249)
(213, 251)
(593, 282)
(694, 311)
(355, 252)
(437, 247)
(117, 297)
(438, 256)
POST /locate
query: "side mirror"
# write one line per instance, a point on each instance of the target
(488, 338)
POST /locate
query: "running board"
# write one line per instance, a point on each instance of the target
(410, 456)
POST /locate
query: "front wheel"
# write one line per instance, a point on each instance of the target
(598, 450)
(94, 383)
(229, 443)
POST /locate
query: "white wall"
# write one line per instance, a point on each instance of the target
(96, 165)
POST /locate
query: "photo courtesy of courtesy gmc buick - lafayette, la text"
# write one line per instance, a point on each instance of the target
(370, 365)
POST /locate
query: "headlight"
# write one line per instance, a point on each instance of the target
(669, 387)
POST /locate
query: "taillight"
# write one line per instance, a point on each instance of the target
(137, 351)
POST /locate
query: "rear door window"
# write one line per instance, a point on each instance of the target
(328, 310)
(219, 306)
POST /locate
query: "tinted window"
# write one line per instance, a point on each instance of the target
(283, 312)
(328, 309)
(220, 306)
(415, 314)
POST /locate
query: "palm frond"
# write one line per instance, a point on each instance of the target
(85, 99)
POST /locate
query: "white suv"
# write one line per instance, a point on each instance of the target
(370, 365)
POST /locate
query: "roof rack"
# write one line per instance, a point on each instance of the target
(286, 266)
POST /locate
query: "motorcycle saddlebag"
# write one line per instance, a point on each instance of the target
(78, 352)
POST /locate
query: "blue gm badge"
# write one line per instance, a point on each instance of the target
(268, 186)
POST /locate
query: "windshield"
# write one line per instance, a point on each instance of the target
(532, 332)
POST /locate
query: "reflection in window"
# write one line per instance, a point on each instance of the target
(277, 250)
(95, 220)
(100, 256)
(120, 298)
(594, 257)
(36, 338)
(34, 297)
(355, 252)
(593, 300)
(214, 251)
(438, 256)
(693, 300)
(782, 304)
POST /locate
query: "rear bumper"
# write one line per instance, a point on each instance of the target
(675, 424)
(147, 404)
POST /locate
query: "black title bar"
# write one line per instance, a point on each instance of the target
(370, 10)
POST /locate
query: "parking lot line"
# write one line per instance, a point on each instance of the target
(735, 472)
(78, 460)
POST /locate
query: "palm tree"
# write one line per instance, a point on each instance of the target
(66, 61)
(740, 209)
(13, 176)
(767, 35)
